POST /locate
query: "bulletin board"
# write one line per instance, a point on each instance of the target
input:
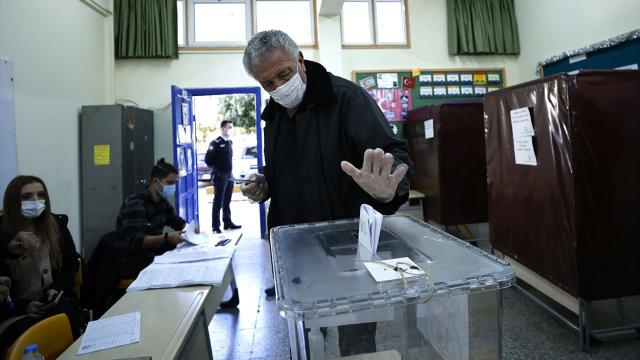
(398, 91)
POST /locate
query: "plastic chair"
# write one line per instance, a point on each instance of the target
(53, 336)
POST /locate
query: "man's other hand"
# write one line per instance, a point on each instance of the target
(256, 188)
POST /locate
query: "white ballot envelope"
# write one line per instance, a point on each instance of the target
(369, 233)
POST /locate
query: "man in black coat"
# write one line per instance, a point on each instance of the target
(219, 158)
(328, 149)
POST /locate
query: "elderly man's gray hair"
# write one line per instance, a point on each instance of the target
(262, 46)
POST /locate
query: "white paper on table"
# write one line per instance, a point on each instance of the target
(521, 124)
(387, 80)
(193, 238)
(191, 253)
(111, 332)
(369, 232)
(385, 273)
(523, 149)
(157, 276)
(428, 129)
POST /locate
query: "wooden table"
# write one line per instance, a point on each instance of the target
(173, 324)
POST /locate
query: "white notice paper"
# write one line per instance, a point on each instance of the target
(428, 129)
(522, 131)
(111, 332)
(521, 124)
(523, 148)
(387, 80)
(381, 272)
(369, 234)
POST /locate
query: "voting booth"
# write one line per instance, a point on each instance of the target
(451, 308)
(563, 173)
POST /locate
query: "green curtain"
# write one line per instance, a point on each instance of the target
(482, 27)
(145, 29)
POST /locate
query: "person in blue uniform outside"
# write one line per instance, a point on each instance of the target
(219, 158)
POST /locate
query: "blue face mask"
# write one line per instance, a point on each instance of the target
(168, 191)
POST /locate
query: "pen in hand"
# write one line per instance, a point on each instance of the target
(9, 302)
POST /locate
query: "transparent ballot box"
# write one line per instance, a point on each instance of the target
(335, 308)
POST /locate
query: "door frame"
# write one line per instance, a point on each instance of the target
(256, 91)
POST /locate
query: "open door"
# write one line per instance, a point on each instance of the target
(258, 111)
(184, 154)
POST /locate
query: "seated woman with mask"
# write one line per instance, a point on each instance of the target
(40, 258)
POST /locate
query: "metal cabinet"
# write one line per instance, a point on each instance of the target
(116, 160)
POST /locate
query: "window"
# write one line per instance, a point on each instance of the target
(181, 23)
(231, 23)
(218, 22)
(374, 22)
(293, 17)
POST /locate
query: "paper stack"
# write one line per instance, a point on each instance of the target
(187, 265)
(111, 332)
(191, 237)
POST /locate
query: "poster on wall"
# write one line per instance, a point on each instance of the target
(394, 103)
(387, 80)
(368, 82)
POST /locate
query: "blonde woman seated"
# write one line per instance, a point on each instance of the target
(39, 256)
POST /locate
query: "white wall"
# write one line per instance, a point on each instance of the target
(550, 27)
(61, 62)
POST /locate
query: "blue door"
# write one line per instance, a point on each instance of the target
(184, 154)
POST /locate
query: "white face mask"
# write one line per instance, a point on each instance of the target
(32, 209)
(290, 93)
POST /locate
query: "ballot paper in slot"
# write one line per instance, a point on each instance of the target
(190, 253)
(369, 232)
(158, 276)
(393, 269)
(111, 332)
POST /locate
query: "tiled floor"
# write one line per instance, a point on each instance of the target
(256, 331)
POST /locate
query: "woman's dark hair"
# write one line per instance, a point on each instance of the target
(13, 222)
(162, 169)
